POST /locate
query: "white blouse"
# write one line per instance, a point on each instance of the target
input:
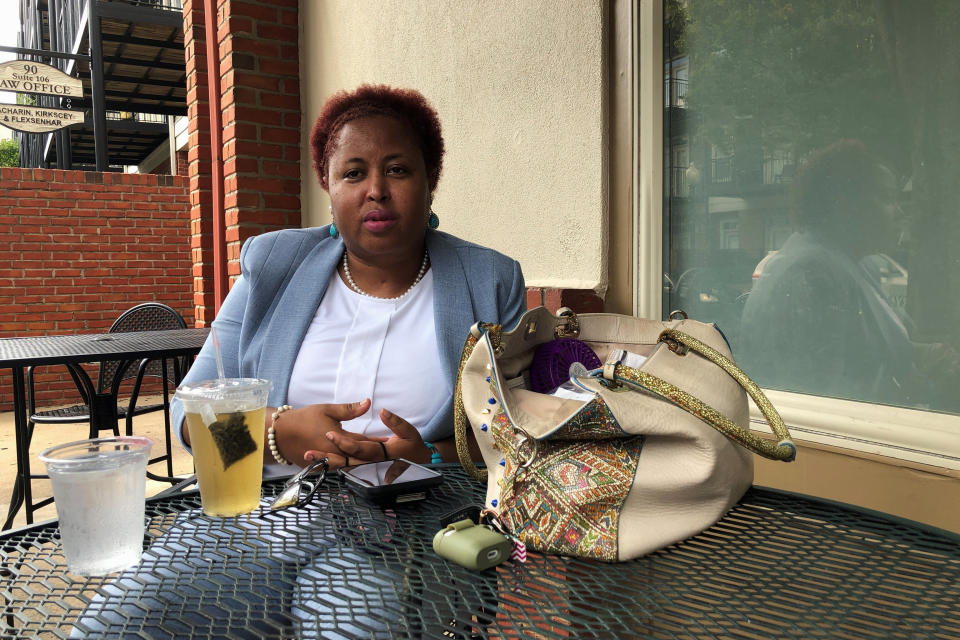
(359, 347)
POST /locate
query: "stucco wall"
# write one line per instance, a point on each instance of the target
(520, 92)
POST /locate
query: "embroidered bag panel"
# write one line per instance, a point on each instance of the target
(569, 499)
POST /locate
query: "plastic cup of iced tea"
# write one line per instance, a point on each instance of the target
(225, 419)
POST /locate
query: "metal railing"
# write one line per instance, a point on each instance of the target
(67, 28)
(168, 5)
(66, 18)
(675, 92)
(156, 118)
(31, 148)
(678, 182)
(31, 26)
(777, 167)
(722, 170)
(63, 35)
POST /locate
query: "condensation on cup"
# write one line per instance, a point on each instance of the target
(98, 488)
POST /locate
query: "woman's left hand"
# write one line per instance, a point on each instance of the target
(405, 443)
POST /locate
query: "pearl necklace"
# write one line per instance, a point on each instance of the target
(353, 285)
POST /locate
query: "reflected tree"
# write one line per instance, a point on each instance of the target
(768, 75)
(921, 48)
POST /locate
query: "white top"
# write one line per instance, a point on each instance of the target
(359, 347)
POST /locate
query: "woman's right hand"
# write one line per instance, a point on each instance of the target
(297, 431)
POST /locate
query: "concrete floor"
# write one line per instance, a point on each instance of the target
(47, 435)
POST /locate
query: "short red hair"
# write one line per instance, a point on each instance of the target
(407, 105)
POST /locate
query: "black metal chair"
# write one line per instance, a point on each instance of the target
(149, 316)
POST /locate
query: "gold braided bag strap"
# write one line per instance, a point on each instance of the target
(459, 413)
(680, 342)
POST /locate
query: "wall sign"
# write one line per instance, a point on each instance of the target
(24, 76)
(37, 119)
(34, 77)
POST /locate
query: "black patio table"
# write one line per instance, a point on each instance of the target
(17, 354)
(779, 565)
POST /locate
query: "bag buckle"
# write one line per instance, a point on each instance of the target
(526, 451)
(673, 344)
(493, 332)
(569, 327)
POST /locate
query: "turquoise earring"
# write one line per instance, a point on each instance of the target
(434, 220)
(333, 225)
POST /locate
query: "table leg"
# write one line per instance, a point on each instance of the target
(166, 419)
(21, 485)
(103, 406)
(103, 414)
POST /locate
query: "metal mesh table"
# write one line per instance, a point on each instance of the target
(777, 566)
(99, 347)
(17, 354)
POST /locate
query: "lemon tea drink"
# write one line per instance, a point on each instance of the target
(226, 423)
(228, 455)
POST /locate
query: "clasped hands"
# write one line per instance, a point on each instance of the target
(312, 432)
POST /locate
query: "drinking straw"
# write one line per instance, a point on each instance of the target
(219, 356)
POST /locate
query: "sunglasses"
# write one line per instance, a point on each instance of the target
(298, 489)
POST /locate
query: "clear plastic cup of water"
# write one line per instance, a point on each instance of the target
(98, 488)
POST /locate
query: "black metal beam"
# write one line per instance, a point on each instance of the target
(145, 142)
(145, 42)
(114, 96)
(147, 64)
(134, 106)
(114, 92)
(43, 53)
(136, 125)
(134, 13)
(97, 86)
(120, 155)
(62, 136)
(143, 81)
(146, 108)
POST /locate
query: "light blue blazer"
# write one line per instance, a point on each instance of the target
(284, 275)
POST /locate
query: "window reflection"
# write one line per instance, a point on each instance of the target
(812, 188)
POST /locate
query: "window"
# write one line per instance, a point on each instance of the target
(811, 189)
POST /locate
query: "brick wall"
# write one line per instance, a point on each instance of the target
(260, 78)
(198, 161)
(579, 300)
(164, 167)
(259, 89)
(79, 248)
(182, 165)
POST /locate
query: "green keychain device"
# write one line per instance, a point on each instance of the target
(471, 545)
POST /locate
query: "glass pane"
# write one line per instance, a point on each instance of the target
(812, 191)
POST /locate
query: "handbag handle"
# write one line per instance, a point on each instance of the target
(460, 414)
(680, 342)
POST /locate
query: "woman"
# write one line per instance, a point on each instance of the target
(360, 324)
(818, 319)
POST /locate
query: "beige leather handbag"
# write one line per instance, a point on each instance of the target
(640, 457)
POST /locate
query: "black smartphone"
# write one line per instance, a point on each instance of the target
(391, 482)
